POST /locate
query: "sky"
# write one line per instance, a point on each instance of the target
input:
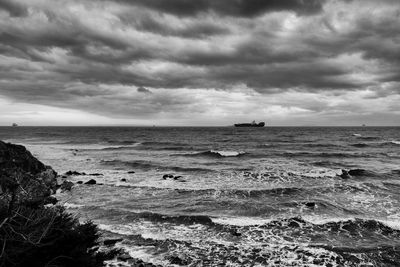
(200, 62)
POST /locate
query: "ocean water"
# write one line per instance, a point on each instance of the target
(270, 196)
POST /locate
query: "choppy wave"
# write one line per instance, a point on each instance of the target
(164, 143)
(149, 165)
(368, 137)
(360, 145)
(119, 147)
(122, 142)
(215, 153)
(361, 172)
(205, 241)
(332, 226)
(327, 154)
(395, 142)
(376, 144)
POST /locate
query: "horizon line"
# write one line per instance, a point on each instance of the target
(199, 126)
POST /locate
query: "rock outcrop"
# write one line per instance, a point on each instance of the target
(23, 177)
(32, 233)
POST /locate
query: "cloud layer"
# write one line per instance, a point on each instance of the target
(166, 61)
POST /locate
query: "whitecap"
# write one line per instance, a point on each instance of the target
(228, 153)
(241, 221)
(117, 229)
(392, 223)
(321, 220)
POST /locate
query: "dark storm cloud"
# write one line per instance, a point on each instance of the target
(316, 76)
(198, 29)
(13, 8)
(55, 52)
(143, 90)
(243, 8)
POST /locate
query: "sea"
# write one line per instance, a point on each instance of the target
(226, 196)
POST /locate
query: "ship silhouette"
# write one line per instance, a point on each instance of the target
(252, 124)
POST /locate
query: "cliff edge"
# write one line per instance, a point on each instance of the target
(25, 176)
(35, 234)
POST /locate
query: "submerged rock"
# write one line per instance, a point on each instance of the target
(79, 182)
(123, 180)
(354, 173)
(124, 257)
(96, 174)
(91, 181)
(357, 172)
(131, 172)
(110, 242)
(310, 205)
(234, 232)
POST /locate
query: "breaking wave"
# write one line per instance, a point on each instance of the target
(215, 153)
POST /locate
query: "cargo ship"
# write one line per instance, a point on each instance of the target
(253, 124)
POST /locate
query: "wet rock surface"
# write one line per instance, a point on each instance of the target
(66, 186)
(91, 182)
(22, 173)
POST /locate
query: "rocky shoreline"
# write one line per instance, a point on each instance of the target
(35, 230)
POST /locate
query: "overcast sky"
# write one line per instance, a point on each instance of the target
(199, 62)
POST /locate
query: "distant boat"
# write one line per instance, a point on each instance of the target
(14, 125)
(253, 124)
(363, 125)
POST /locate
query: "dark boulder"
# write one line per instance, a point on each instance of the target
(177, 177)
(310, 205)
(345, 174)
(131, 172)
(91, 181)
(166, 176)
(123, 180)
(79, 182)
(66, 186)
